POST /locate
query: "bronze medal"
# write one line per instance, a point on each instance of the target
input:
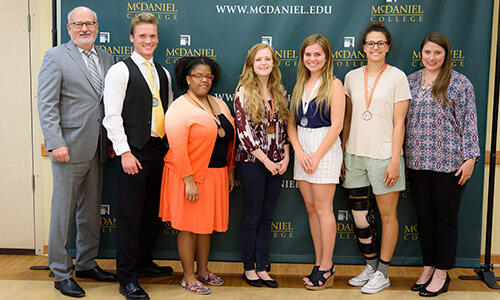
(367, 115)
(270, 129)
(221, 132)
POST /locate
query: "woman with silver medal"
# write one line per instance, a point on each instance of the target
(318, 104)
(377, 97)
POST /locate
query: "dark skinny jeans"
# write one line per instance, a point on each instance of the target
(260, 194)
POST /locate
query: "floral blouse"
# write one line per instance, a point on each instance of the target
(253, 136)
(438, 137)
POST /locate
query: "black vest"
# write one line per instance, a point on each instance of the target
(138, 103)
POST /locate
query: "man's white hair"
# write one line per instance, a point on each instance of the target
(80, 7)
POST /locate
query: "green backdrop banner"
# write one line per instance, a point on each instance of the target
(226, 29)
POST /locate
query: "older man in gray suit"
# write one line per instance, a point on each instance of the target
(70, 108)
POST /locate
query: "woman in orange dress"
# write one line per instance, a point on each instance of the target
(199, 169)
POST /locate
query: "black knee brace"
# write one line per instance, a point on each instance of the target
(360, 200)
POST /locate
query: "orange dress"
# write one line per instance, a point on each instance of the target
(191, 134)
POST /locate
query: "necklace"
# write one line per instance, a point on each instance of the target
(220, 131)
(270, 128)
(367, 115)
(428, 85)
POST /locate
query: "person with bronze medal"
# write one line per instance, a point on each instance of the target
(261, 157)
(207, 106)
(199, 169)
(318, 104)
(377, 97)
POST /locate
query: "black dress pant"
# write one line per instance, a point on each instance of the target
(137, 210)
(437, 198)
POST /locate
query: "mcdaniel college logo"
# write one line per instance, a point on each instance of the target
(349, 56)
(119, 52)
(286, 57)
(397, 11)
(164, 11)
(282, 229)
(107, 222)
(457, 59)
(172, 55)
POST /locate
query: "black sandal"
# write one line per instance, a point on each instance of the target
(318, 277)
(314, 270)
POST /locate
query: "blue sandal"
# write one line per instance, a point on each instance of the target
(317, 277)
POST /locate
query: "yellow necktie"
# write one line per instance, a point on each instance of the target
(158, 112)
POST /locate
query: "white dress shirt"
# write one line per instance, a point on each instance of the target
(115, 87)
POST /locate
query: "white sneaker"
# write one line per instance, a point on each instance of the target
(362, 278)
(377, 283)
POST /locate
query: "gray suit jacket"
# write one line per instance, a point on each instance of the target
(70, 109)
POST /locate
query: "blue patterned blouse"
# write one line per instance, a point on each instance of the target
(441, 138)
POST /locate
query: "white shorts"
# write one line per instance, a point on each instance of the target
(328, 170)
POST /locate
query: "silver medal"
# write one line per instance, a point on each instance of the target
(303, 121)
(155, 102)
(305, 104)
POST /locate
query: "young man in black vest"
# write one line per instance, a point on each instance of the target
(136, 94)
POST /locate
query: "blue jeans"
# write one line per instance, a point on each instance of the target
(260, 194)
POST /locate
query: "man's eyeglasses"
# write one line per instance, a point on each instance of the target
(380, 44)
(200, 76)
(79, 25)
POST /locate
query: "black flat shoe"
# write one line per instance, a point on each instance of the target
(417, 287)
(69, 287)
(425, 293)
(252, 282)
(133, 291)
(97, 274)
(270, 283)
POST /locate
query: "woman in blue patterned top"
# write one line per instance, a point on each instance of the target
(441, 150)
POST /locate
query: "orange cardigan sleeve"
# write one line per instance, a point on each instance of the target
(177, 129)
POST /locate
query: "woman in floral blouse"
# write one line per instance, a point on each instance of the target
(261, 157)
(441, 150)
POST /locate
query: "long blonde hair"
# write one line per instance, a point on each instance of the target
(251, 83)
(303, 74)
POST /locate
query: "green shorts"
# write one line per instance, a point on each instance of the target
(361, 171)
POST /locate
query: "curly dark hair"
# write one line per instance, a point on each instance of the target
(379, 27)
(185, 65)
